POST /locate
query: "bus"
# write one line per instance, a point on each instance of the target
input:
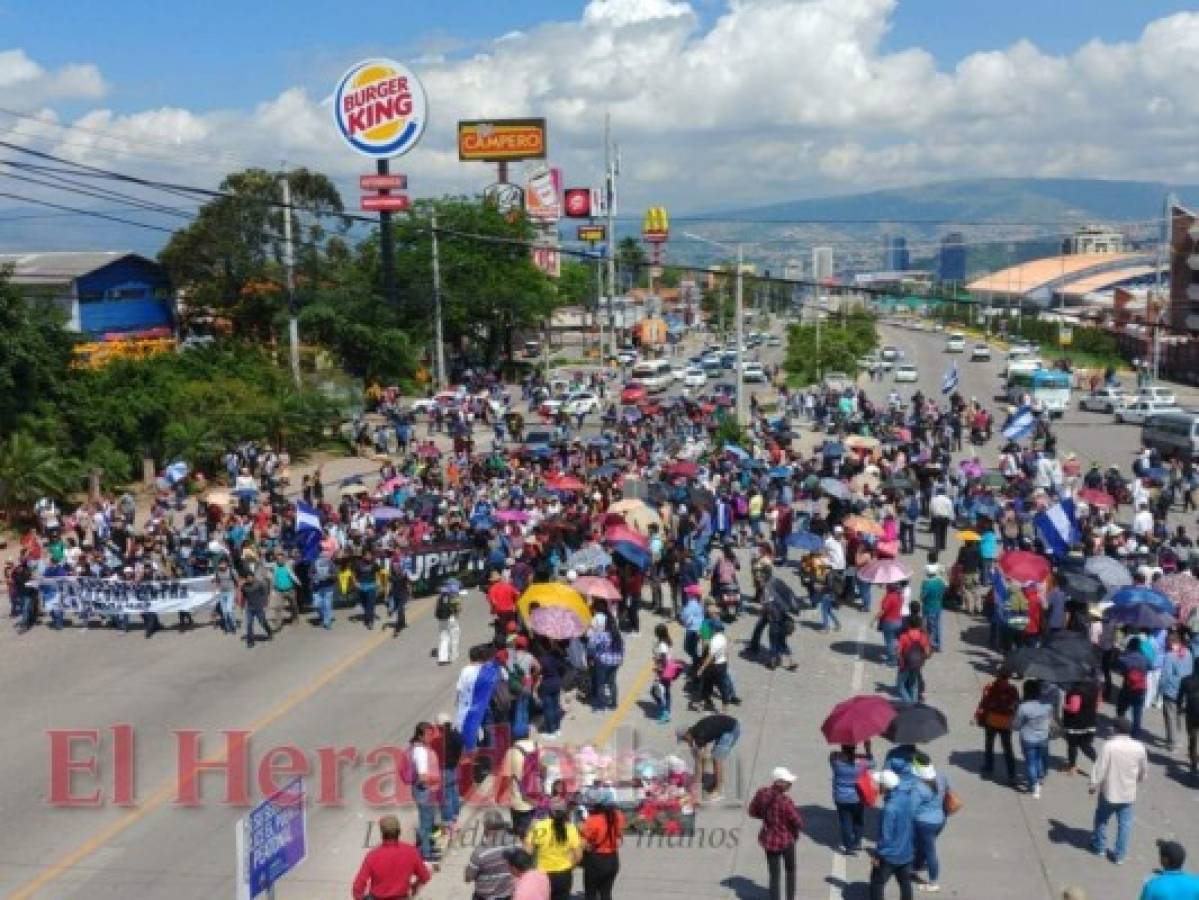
(1047, 389)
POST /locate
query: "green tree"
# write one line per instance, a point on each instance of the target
(632, 262)
(34, 354)
(30, 470)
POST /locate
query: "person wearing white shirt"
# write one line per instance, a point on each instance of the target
(940, 510)
(1122, 764)
(1142, 522)
(426, 773)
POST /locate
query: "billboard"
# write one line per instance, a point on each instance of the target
(578, 203)
(543, 199)
(501, 140)
(592, 234)
(507, 198)
(379, 108)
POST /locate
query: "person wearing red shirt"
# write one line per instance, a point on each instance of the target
(890, 620)
(914, 651)
(393, 870)
(1032, 631)
(502, 597)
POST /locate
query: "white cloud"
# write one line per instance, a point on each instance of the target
(774, 99)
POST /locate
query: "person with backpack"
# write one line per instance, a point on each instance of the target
(605, 649)
(449, 604)
(995, 713)
(1135, 667)
(889, 620)
(522, 770)
(914, 651)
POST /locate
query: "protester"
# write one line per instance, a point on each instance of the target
(848, 769)
(895, 849)
(557, 846)
(602, 833)
(393, 869)
(1171, 882)
(488, 869)
(1032, 722)
(932, 793)
(1121, 766)
(528, 882)
(781, 827)
(711, 738)
(996, 713)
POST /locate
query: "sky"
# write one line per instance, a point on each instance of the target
(715, 103)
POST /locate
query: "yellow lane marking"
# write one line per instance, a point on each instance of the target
(169, 788)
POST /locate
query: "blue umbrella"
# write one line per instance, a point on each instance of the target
(1136, 595)
(832, 448)
(630, 552)
(736, 451)
(780, 472)
(599, 441)
(607, 470)
(805, 540)
(589, 559)
(1139, 615)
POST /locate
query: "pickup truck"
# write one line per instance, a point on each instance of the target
(1104, 399)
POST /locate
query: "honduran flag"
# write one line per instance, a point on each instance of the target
(1020, 425)
(1057, 527)
(309, 533)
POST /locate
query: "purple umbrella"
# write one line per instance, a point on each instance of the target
(386, 513)
(511, 515)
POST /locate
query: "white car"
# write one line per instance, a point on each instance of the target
(628, 357)
(891, 354)
(1104, 399)
(694, 377)
(980, 352)
(1157, 394)
(774, 341)
(906, 372)
(956, 343)
(581, 403)
(1139, 410)
(753, 372)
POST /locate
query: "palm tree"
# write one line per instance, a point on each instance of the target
(193, 440)
(30, 470)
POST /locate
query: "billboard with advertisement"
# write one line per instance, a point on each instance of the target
(655, 228)
(507, 198)
(379, 108)
(592, 234)
(577, 201)
(501, 140)
(543, 199)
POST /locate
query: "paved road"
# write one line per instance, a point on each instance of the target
(358, 688)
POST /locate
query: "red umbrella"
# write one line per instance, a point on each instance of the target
(1024, 566)
(1097, 498)
(565, 483)
(858, 719)
(681, 468)
(618, 533)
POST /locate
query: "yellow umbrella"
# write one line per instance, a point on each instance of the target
(968, 535)
(554, 594)
(637, 514)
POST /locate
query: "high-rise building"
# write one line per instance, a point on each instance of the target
(951, 261)
(1094, 240)
(822, 264)
(1184, 269)
(895, 254)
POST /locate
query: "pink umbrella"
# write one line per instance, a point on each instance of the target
(971, 468)
(884, 571)
(1097, 498)
(681, 468)
(565, 483)
(595, 586)
(1182, 588)
(618, 533)
(557, 623)
(511, 515)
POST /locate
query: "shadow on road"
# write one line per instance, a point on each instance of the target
(1061, 833)
(744, 889)
(849, 890)
(870, 652)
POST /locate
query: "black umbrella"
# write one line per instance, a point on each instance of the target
(1081, 586)
(916, 723)
(1046, 664)
(1073, 645)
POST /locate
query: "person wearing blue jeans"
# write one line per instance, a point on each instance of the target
(847, 767)
(1121, 765)
(322, 599)
(1032, 721)
(890, 632)
(424, 774)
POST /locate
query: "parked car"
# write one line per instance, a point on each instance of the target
(1158, 394)
(753, 372)
(581, 403)
(1103, 399)
(980, 353)
(907, 372)
(695, 377)
(1138, 411)
(955, 343)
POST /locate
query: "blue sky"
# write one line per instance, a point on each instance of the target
(212, 54)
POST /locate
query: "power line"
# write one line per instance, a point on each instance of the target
(85, 212)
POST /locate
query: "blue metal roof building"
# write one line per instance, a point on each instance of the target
(98, 292)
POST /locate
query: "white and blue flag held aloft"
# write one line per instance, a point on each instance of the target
(1057, 527)
(308, 531)
(950, 382)
(1020, 425)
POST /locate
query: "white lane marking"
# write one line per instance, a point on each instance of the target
(835, 891)
(837, 879)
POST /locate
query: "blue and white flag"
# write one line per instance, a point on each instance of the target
(1020, 425)
(308, 531)
(1057, 527)
(950, 382)
(999, 586)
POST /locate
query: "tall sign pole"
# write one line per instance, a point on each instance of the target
(740, 331)
(387, 253)
(438, 340)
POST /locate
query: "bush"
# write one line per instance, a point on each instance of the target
(841, 344)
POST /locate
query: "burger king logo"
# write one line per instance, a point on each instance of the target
(379, 107)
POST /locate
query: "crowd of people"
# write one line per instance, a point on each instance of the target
(658, 515)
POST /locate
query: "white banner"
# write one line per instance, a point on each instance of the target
(88, 597)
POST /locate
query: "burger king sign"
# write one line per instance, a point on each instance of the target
(379, 107)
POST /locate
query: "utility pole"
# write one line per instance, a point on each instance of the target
(740, 340)
(610, 168)
(599, 299)
(438, 341)
(1157, 293)
(289, 265)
